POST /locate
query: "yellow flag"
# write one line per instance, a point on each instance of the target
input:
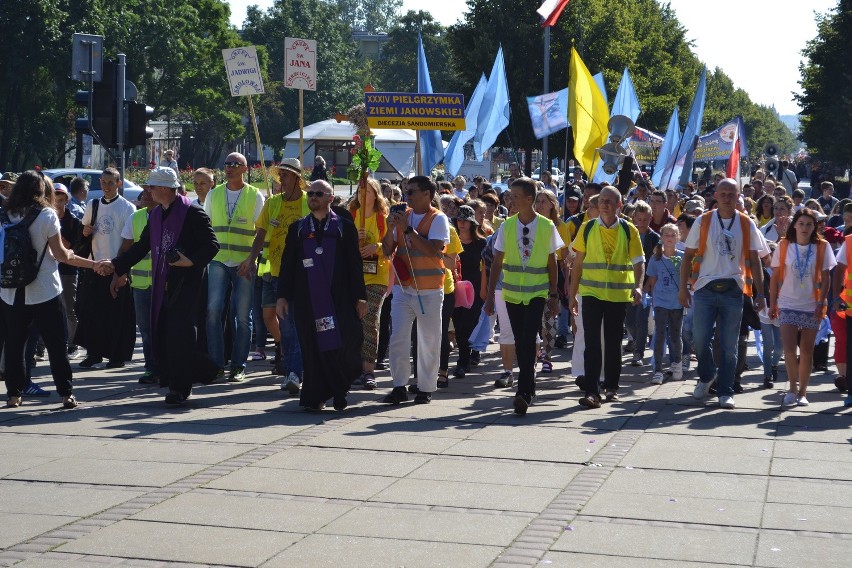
(588, 114)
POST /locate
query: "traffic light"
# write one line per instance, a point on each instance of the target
(138, 115)
(102, 119)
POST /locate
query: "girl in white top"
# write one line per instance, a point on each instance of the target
(797, 296)
(39, 301)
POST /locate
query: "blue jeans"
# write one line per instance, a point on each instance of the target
(563, 324)
(772, 349)
(724, 309)
(688, 347)
(219, 277)
(291, 350)
(637, 324)
(142, 305)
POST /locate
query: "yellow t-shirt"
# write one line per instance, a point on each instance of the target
(371, 225)
(562, 229)
(276, 229)
(455, 247)
(609, 238)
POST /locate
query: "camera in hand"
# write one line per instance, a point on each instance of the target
(399, 208)
(173, 255)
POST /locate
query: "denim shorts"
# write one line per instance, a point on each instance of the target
(799, 319)
(269, 292)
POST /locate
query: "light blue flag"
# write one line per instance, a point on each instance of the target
(548, 113)
(454, 156)
(626, 103)
(494, 111)
(692, 131)
(665, 159)
(599, 79)
(431, 148)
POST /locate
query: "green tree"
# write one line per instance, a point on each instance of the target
(371, 16)
(397, 68)
(826, 125)
(337, 65)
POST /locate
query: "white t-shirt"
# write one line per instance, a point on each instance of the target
(770, 232)
(231, 198)
(108, 226)
(724, 251)
(127, 231)
(439, 230)
(797, 289)
(525, 250)
(47, 285)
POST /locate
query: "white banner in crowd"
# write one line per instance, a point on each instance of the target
(243, 69)
(300, 63)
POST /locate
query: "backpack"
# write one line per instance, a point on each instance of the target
(21, 262)
(621, 222)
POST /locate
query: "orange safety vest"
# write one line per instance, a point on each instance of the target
(846, 295)
(702, 248)
(428, 271)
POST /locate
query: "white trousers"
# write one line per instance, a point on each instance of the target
(405, 310)
(578, 359)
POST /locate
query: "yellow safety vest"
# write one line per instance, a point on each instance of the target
(521, 284)
(610, 281)
(265, 267)
(140, 274)
(235, 235)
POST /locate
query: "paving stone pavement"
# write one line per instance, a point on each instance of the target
(242, 477)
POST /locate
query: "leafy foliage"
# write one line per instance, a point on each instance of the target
(371, 16)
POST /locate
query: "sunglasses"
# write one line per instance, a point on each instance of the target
(411, 192)
(233, 164)
(526, 239)
(316, 193)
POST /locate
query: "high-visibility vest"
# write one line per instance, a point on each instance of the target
(265, 267)
(610, 280)
(140, 274)
(523, 283)
(428, 270)
(745, 222)
(235, 235)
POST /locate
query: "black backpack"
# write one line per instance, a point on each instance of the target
(21, 262)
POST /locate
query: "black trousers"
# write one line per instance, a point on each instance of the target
(525, 320)
(49, 318)
(611, 315)
(384, 329)
(465, 320)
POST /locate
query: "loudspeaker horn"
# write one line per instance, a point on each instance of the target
(771, 165)
(613, 156)
(620, 128)
(770, 149)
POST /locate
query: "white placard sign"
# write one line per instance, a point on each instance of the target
(243, 69)
(300, 70)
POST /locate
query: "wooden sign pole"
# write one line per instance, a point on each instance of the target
(259, 147)
(301, 128)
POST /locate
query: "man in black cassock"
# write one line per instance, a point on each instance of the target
(182, 243)
(321, 279)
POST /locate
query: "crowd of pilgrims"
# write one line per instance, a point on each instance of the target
(475, 210)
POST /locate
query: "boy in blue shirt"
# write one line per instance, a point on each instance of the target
(662, 282)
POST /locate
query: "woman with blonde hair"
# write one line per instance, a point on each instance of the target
(370, 211)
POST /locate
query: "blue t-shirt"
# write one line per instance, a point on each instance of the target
(667, 286)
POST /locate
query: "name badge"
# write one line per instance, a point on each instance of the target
(274, 222)
(242, 220)
(307, 262)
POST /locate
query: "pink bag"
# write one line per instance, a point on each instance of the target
(464, 294)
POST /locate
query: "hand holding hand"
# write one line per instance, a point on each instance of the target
(103, 267)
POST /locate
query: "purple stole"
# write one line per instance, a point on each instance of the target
(318, 260)
(163, 237)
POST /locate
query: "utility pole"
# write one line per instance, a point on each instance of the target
(120, 118)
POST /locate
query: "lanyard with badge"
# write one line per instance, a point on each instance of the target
(728, 234)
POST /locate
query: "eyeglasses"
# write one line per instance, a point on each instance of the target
(233, 164)
(525, 239)
(316, 193)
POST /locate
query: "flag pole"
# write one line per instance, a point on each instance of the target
(418, 162)
(545, 165)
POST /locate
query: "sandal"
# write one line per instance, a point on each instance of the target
(546, 366)
(14, 402)
(443, 380)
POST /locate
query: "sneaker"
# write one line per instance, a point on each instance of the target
(175, 398)
(35, 390)
(40, 355)
(636, 362)
(546, 366)
(291, 384)
(396, 396)
(459, 371)
(628, 348)
(148, 378)
(848, 402)
(789, 399)
(591, 401)
(727, 402)
(505, 380)
(561, 342)
(677, 371)
(358, 381)
(802, 401)
(475, 358)
(657, 379)
(340, 403)
(686, 364)
(369, 381)
(413, 389)
(521, 403)
(91, 361)
(738, 387)
(115, 364)
(258, 355)
(237, 375)
(702, 389)
(768, 383)
(73, 351)
(423, 398)
(611, 396)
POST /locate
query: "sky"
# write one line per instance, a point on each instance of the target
(760, 52)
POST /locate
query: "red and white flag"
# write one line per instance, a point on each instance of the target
(550, 10)
(733, 168)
